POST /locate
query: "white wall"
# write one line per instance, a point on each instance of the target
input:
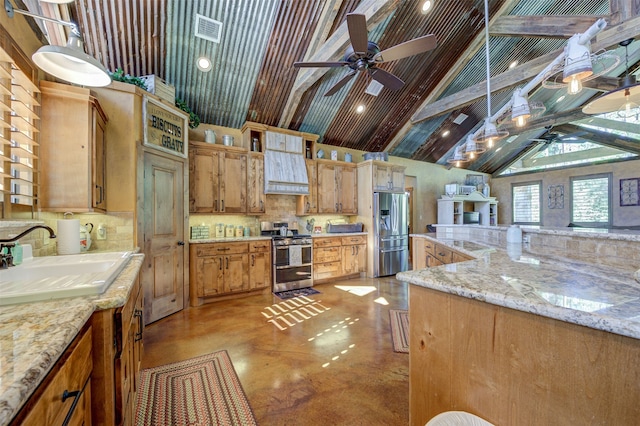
(622, 216)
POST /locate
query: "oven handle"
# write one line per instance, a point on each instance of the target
(292, 266)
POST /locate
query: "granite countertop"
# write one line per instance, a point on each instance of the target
(337, 234)
(34, 335)
(230, 239)
(551, 285)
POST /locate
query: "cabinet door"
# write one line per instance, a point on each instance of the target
(348, 190)
(210, 275)
(204, 170)
(233, 183)
(236, 272)
(259, 270)
(396, 178)
(349, 259)
(361, 252)
(99, 161)
(255, 184)
(327, 189)
(380, 177)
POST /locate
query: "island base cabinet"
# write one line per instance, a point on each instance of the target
(72, 373)
(516, 368)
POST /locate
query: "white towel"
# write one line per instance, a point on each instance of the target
(295, 255)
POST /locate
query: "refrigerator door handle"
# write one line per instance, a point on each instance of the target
(393, 250)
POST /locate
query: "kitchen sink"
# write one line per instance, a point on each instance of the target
(54, 277)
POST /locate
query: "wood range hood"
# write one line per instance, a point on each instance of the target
(285, 172)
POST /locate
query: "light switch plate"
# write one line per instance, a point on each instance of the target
(102, 232)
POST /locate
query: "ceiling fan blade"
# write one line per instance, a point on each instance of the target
(357, 25)
(319, 64)
(408, 48)
(340, 83)
(389, 80)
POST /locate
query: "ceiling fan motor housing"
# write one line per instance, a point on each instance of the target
(352, 57)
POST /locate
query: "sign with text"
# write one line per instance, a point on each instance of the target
(165, 128)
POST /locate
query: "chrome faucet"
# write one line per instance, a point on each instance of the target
(6, 260)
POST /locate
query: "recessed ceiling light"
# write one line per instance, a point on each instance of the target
(513, 64)
(426, 6)
(204, 64)
(498, 150)
(446, 133)
(560, 99)
(360, 109)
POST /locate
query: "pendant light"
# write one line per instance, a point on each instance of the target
(473, 148)
(624, 99)
(69, 63)
(458, 158)
(489, 133)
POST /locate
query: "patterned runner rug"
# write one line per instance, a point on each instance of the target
(399, 330)
(288, 294)
(199, 391)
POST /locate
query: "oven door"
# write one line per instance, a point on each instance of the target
(282, 256)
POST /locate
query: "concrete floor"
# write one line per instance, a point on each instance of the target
(336, 367)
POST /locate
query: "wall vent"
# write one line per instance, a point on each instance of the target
(459, 119)
(208, 29)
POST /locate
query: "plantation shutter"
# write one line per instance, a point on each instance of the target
(590, 200)
(526, 203)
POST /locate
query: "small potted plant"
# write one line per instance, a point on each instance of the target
(194, 120)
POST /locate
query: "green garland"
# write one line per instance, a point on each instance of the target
(194, 120)
(119, 75)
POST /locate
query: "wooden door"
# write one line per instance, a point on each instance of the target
(233, 183)
(348, 192)
(361, 252)
(210, 275)
(255, 184)
(349, 259)
(327, 189)
(380, 177)
(396, 178)
(236, 273)
(311, 205)
(163, 240)
(204, 170)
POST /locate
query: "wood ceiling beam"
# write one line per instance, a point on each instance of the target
(603, 138)
(463, 59)
(321, 33)
(608, 38)
(543, 26)
(571, 156)
(332, 50)
(606, 123)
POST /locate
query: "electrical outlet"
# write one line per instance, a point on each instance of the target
(102, 232)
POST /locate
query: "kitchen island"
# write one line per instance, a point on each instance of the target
(33, 336)
(534, 333)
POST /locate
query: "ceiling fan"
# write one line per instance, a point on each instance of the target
(365, 55)
(550, 137)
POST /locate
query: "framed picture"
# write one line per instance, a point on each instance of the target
(317, 229)
(555, 194)
(474, 180)
(630, 192)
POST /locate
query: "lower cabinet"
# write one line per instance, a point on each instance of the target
(338, 257)
(117, 356)
(66, 391)
(427, 253)
(222, 269)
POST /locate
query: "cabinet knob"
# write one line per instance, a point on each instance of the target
(180, 243)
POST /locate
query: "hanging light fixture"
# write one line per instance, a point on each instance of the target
(523, 110)
(489, 133)
(624, 100)
(473, 148)
(69, 63)
(458, 158)
(579, 63)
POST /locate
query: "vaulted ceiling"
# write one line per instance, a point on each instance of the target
(253, 78)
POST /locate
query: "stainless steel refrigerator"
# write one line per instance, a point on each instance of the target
(391, 242)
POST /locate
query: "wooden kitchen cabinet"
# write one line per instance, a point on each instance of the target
(308, 204)
(228, 269)
(337, 187)
(117, 356)
(388, 177)
(354, 250)
(255, 184)
(259, 264)
(427, 253)
(72, 150)
(71, 373)
(217, 179)
(338, 257)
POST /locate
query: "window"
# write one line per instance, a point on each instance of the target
(18, 133)
(591, 200)
(526, 203)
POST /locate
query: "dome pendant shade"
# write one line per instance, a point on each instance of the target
(71, 64)
(577, 63)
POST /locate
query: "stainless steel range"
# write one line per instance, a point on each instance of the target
(292, 255)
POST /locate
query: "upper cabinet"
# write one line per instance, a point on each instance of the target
(255, 184)
(308, 204)
(217, 179)
(72, 150)
(337, 187)
(388, 177)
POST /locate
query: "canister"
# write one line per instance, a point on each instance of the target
(239, 230)
(247, 231)
(230, 232)
(219, 230)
